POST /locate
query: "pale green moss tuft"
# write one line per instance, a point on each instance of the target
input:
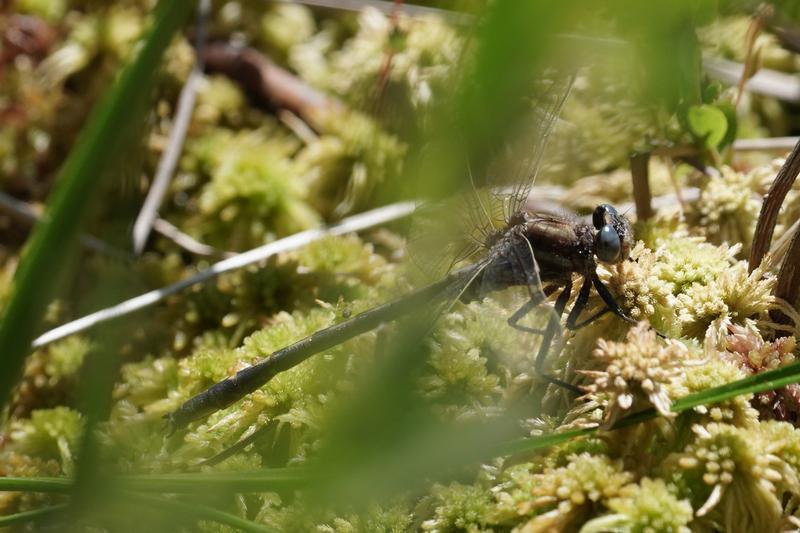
(650, 506)
(48, 434)
(460, 508)
(561, 498)
(284, 26)
(733, 473)
(219, 100)
(51, 10)
(728, 207)
(423, 53)
(638, 372)
(253, 194)
(716, 372)
(686, 284)
(347, 164)
(726, 37)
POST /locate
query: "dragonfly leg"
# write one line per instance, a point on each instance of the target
(527, 307)
(608, 298)
(547, 340)
(580, 305)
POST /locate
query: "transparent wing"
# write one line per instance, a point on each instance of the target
(513, 171)
(440, 237)
(444, 233)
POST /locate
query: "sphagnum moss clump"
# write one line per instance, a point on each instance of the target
(650, 506)
(641, 371)
(738, 474)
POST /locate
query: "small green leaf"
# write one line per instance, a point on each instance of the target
(708, 123)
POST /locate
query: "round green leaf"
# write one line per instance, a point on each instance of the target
(708, 123)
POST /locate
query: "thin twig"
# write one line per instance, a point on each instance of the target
(186, 241)
(25, 213)
(640, 174)
(771, 205)
(358, 222)
(169, 159)
(265, 83)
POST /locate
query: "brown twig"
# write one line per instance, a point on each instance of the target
(770, 207)
(266, 84)
(640, 174)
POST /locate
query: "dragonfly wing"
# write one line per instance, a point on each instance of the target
(513, 170)
(441, 235)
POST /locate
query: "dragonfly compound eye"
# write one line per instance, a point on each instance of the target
(601, 215)
(607, 244)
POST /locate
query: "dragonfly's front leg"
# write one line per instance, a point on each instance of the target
(580, 305)
(608, 298)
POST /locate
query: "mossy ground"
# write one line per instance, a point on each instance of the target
(246, 177)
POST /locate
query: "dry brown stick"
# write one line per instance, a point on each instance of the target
(640, 175)
(265, 83)
(770, 207)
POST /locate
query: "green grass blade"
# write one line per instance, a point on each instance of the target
(272, 479)
(765, 381)
(28, 516)
(55, 236)
(35, 484)
(201, 512)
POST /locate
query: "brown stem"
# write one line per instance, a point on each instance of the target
(640, 174)
(265, 83)
(771, 206)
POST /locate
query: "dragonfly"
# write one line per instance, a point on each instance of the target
(543, 253)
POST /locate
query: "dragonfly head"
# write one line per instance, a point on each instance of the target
(612, 242)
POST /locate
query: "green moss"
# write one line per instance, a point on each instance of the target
(51, 10)
(49, 434)
(460, 508)
(252, 194)
(648, 506)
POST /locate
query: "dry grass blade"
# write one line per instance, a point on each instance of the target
(776, 144)
(293, 242)
(186, 241)
(768, 82)
(169, 159)
(771, 206)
